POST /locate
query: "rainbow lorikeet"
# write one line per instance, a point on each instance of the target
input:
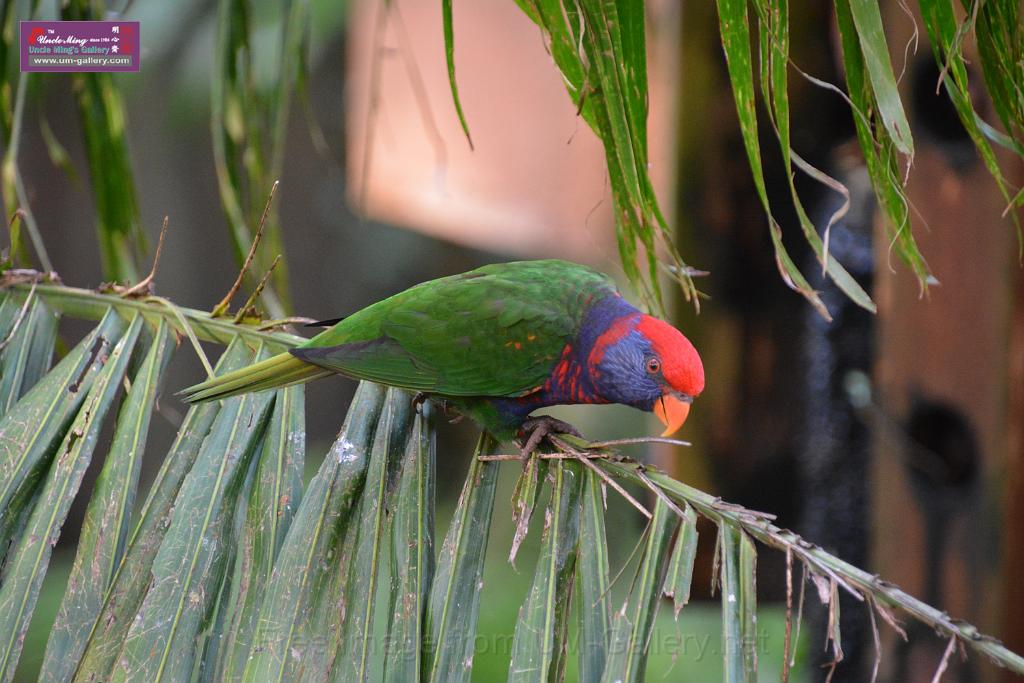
(497, 343)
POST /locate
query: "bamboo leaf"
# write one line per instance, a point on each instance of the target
(1001, 52)
(735, 31)
(449, 55)
(29, 561)
(455, 598)
(600, 48)
(106, 524)
(944, 36)
(680, 568)
(773, 16)
(132, 578)
(538, 647)
(32, 430)
(867, 17)
(275, 495)
(632, 623)
(412, 554)
(290, 630)
(196, 551)
(361, 557)
(880, 152)
(592, 581)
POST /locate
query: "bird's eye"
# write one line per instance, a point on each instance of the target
(653, 366)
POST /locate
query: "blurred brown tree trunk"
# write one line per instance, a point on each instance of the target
(1013, 608)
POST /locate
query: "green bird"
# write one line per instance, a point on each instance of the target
(495, 344)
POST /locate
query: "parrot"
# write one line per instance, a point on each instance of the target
(495, 344)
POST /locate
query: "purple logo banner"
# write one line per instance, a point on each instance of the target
(80, 46)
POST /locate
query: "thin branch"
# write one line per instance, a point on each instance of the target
(222, 308)
(373, 102)
(582, 457)
(419, 91)
(249, 304)
(19, 319)
(945, 660)
(656, 490)
(636, 548)
(144, 285)
(878, 641)
(510, 457)
(281, 322)
(637, 440)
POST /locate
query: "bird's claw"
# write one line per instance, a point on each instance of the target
(539, 428)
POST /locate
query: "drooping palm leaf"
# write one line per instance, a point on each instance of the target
(600, 48)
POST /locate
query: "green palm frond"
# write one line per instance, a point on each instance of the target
(232, 570)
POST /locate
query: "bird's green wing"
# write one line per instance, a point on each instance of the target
(495, 331)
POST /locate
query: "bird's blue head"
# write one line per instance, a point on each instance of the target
(644, 362)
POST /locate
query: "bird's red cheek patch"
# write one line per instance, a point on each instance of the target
(616, 331)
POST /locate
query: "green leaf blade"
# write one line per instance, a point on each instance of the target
(593, 581)
(106, 524)
(28, 564)
(868, 19)
(735, 31)
(361, 557)
(632, 623)
(412, 553)
(538, 646)
(132, 578)
(275, 495)
(293, 628)
(197, 549)
(739, 604)
(32, 430)
(455, 598)
(680, 568)
(449, 56)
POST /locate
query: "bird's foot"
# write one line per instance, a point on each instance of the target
(539, 428)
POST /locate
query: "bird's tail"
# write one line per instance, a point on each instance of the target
(280, 371)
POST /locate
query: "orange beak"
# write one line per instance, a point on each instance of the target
(672, 412)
